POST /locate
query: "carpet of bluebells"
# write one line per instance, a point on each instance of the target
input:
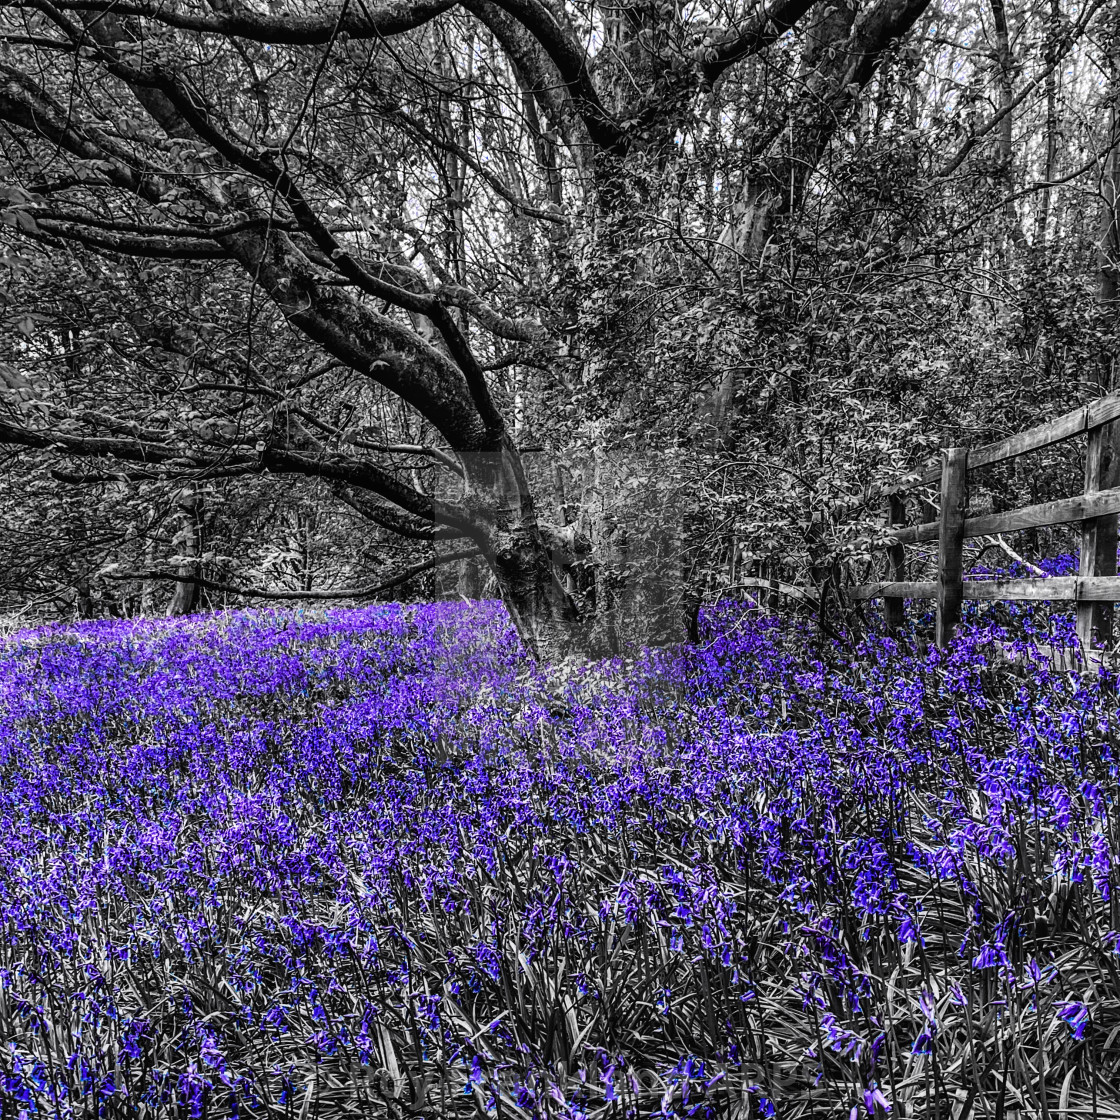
(376, 863)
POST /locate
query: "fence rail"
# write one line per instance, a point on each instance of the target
(1096, 508)
(1059, 512)
(1067, 589)
(1079, 422)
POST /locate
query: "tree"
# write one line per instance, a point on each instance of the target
(275, 142)
(392, 248)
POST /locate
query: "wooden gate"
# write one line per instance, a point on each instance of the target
(1096, 508)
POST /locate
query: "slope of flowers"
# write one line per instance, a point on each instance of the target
(374, 863)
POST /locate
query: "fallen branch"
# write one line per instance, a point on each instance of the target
(264, 593)
(997, 541)
(759, 583)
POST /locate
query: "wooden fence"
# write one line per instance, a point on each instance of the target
(1096, 508)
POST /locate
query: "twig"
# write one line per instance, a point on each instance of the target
(998, 541)
(264, 593)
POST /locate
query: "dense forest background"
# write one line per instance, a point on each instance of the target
(610, 305)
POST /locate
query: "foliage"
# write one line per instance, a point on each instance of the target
(769, 258)
(368, 862)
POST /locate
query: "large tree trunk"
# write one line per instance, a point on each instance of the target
(1053, 31)
(842, 51)
(775, 186)
(185, 595)
(1101, 535)
(525, 564)
(1109, 253)
(1005, 71)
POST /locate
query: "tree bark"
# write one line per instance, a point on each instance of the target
(1049, 169)
(1109, 251)
(259, 205)
(840, 57)
(185, 595)
(1005, 70)
(527, 570)
(1099, 537)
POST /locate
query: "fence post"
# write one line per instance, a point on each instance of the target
(1098, 534)
(894, 608)
(950, 551)
(773, 598)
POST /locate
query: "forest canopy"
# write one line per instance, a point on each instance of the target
(603, 304)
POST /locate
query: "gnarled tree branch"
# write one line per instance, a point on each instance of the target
(297, 25)
(755, 35)
(369, 592)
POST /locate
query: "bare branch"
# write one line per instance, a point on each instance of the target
(370, 592)
(536, 73)
(393, 519)
(452, 294)
(155, 229)
(297, 25)
(1062, 49)
(130, 450)
(282, 270)
(114, 424)
(765, 28)
(566, 56)
(519, 205)
(72, 478)
(161, 248)
(352, 268)
(435, 453)
(522, 329)
(367, 476)
(342, 469)
(28, 106)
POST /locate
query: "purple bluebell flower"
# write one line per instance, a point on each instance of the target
(1075, 1015)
